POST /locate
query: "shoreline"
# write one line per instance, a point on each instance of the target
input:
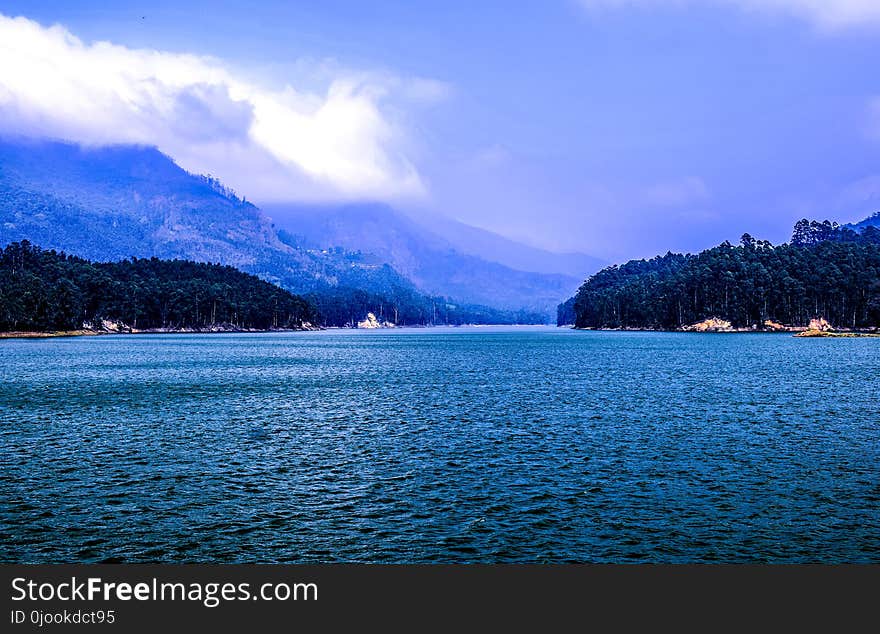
(837, 334)
(796, 331)
(85, 332)
(427, 326)
(51, 334)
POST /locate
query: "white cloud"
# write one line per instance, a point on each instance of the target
(825, 14)
(345, 141)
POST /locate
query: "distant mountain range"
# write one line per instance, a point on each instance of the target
(436, 264)
(110, 203)
(496, 248)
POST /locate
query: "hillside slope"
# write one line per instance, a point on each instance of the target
(832, 275)
(432, 262)
(42, 290)
(111, 203)
(116, 202)
(516, 255)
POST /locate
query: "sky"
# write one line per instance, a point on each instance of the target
(618, 128)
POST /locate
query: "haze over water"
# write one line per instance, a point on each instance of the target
(440, 445)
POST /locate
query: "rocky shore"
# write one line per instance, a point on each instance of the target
(824, 333)
(116, 328)
(819, 327)
(371, 323)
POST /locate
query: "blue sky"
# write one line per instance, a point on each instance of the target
(617, 128)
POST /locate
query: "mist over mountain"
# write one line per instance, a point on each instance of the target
(115, 202)
(516, 255)
(435, 263)
(111, 203)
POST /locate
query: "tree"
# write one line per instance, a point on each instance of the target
(826, 271)
(45, 290)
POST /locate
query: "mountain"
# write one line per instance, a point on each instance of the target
(431, 261)
(825, 272)
(496, 248)
(111, 203)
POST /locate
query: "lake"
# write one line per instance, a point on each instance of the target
(440, 445)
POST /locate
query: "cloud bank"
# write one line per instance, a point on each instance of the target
(825, 14)
(347, 141)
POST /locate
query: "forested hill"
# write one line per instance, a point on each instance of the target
(111, 203)
(826, 271)
(433, 263)
(42, 290)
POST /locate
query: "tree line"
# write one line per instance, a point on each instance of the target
(344, 306)
(42, 290)
(825, 271)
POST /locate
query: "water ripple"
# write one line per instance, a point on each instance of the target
(466, 445)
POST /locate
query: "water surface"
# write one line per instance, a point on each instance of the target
(440, 445)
